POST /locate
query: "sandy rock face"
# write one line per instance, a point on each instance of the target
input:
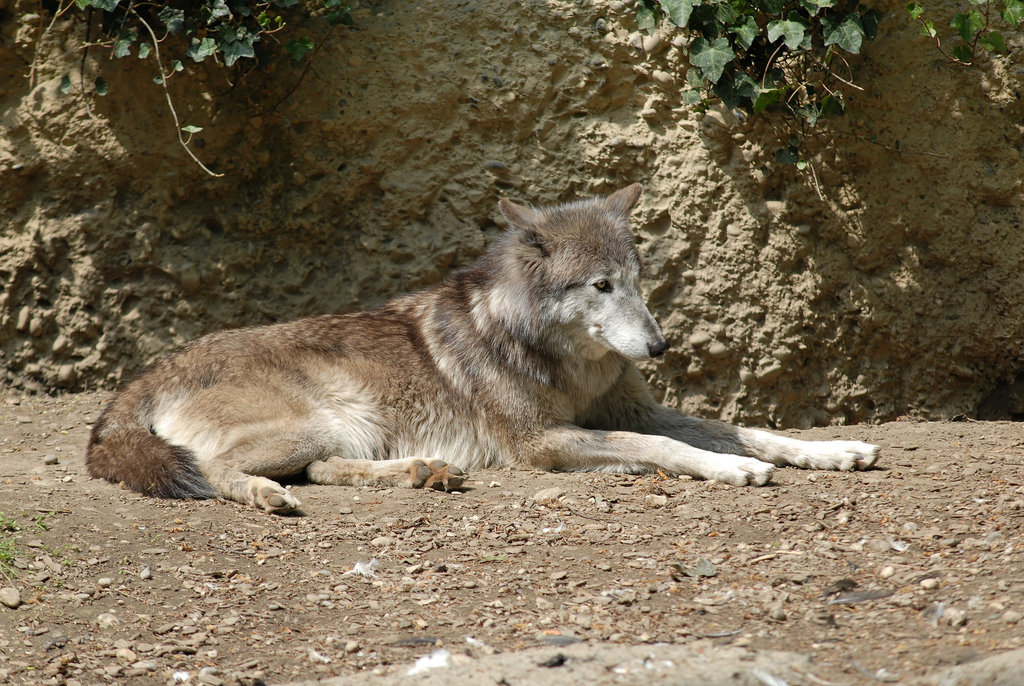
(378, 171)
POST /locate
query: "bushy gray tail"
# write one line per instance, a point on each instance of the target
(121, 450)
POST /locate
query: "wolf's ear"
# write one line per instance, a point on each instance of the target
(623, 201)
(520, 215)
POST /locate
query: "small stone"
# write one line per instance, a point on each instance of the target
(107, 621)
(548, 495)
(104, 582)
(50, 459)
(929, 583)
(352, 647)
(209, 676)
(382, 541)
(657, 500)
(777, 613)
(1012, 616)
(125, 656)
(146, 574)
(717, 349)
(662, 78)
(651, 43)
(955, 617)
(699, 339)
(886, 572)
(66, 374)
(10, 597)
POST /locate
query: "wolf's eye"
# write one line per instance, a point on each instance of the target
(603, 286)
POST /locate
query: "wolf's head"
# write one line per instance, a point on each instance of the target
(579, 262)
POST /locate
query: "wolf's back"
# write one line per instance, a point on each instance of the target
(122, 449)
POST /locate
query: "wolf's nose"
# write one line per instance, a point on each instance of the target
(657, 349)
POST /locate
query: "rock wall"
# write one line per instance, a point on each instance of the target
(378, 170)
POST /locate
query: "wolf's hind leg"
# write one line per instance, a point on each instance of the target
(412, 472)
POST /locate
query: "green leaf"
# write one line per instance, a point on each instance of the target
(914, 10)
(833, 106)
(219, 9)
(767, 98)
(298, 48)
(692, 97)
(102, 87)
(739, 91)
(770, 7)
(199, 50)
(176, 65)
(235, 50)
(678, 11)
(745, 32)
(694, 78)
(173, 19)
(963, 54)
(144, 51)
(712, 57)
(928, 29)
(815, 6)
(846, 32)
(190, 128)
(65, 84)
(790, 30)
(645, 18)
(994, 42)
(105, 5)
(869, 21)
(787, 156)
(158, 80)
(967, 25)
(1013, 12)
(122, 48)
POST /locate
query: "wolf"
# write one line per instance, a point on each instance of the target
(527, 359)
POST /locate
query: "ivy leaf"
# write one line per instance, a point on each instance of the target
(237, 49)
(815, 6)
(770, 6)
(105, 5)
(199, 50)
(219, 9)
(745, 32)
(791, 31)
(176, 65)
(711, 57)
(994, 42)
(191, 128)
(122, 48)
(692, 97)
(298, 48)
(173, 19)
(869, 22)
(678, 11)
(833, 106)
(787, 156)
(968, 24)
(846, 32)
(102, 87)
(645, 18)
(65, 84)
(914, 10)
(144, 51)
(767, 98)
(962, 53)
(1013, 12)
(929, 29)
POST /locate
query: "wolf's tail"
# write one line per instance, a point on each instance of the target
(121, 449)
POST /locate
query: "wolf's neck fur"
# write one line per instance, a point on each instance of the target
(504, 300)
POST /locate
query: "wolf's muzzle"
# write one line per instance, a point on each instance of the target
(657, 349)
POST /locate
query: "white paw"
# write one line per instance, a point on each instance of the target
(741, 471)
(842, 456)
(271, 496)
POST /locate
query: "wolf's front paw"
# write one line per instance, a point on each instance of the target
(436, 474)
(272, 496)
(742, 471)
(842, 456)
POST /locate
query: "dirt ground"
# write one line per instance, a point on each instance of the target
(875, 576)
